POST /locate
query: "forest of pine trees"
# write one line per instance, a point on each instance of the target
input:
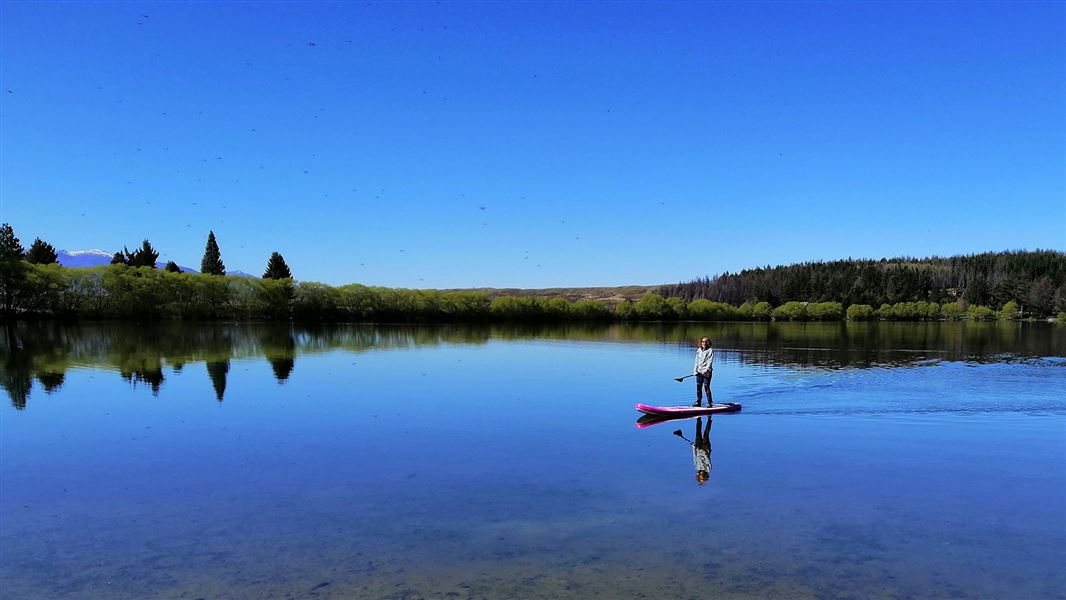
(1035, 280)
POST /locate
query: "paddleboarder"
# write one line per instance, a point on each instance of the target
(703, 370)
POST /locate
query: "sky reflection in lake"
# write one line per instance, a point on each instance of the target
(907, 460)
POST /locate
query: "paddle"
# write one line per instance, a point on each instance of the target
(682, 436)
(684, 378)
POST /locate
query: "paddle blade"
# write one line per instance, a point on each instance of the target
(679, 378)
(678, 433)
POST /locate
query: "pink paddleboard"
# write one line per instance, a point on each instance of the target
(687, 410)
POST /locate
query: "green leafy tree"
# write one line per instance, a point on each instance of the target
(145, 256)
(276, 268)
(981, 313)
(790, 311)
(905, 311)
(860, 312)
(623, 310)
(590, 310)
(1009, 311)
(41, 253)
(678, 307)
(746, 310)
(762, 311)
(952, 311)
(884, 312)
(275, 297)
(825, 311)
(212, 261)
(653, 307)
(172, 267)
(929, 310)
(705, 310)
(553, 308)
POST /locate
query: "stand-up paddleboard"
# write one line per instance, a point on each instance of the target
(687, 410)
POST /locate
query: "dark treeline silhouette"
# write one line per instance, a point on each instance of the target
(145, 256)
(1035, 280)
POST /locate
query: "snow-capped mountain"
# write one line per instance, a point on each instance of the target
(84, 258)
(96, 257)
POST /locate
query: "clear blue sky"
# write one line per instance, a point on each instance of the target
(534, 145)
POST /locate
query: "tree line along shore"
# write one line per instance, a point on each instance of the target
(1030, 285)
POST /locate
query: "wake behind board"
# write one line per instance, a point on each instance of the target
(686, 410)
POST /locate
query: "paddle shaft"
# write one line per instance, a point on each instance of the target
(684, 378)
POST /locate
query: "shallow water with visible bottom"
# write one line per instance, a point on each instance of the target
(920, 460)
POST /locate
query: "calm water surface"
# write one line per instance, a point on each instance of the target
(251, 461)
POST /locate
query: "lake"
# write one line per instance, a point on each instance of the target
(870, 460)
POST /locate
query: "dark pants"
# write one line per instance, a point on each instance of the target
(704, 383)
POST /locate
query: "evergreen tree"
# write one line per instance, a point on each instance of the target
(172, 267)
(145, 256)
(10, 246)
(217, 371)
(977, 291)
(1060, 298)
(119, 258)
(276, 268)
(12, 270)
(42, 253)
(1042, 296)
(212, 262)
(282, 366)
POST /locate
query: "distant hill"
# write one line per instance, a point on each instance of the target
(97, 258)
(605, 294)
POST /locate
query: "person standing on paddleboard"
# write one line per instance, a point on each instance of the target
(703, 370)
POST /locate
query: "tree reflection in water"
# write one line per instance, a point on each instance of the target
(139, 353)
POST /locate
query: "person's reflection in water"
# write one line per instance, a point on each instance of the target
(701, 451)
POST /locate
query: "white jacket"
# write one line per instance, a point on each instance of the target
(704, 360)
